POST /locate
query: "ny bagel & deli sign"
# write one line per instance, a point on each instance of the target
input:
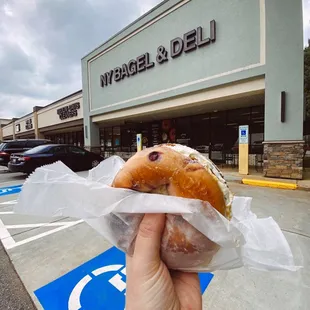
(189, 42)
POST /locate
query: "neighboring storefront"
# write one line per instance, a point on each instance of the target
(62, 120)
(3, 122)
(24, 127)
(8, 131)
(223, 65)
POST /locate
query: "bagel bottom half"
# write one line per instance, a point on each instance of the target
(165, 170)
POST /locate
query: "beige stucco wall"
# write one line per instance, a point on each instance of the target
(7, 131)
(4, 121)
(48, 116)
(22, 122)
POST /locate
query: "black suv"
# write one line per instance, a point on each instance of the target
(17, 146)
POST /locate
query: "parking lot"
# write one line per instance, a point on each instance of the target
(42, 250)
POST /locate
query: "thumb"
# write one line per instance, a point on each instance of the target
(148, 241)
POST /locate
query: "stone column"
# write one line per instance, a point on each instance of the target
(284, 102)
(284, 159)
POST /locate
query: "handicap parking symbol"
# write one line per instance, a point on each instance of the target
(9, 190)
(97, 284)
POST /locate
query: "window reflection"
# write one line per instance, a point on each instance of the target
(214, 134)
(74, 138)
(116, 138)
(201, 132)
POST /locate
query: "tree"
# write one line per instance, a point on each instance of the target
(307, 80)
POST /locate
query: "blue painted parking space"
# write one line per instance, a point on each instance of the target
(9, 190)
(97, 284)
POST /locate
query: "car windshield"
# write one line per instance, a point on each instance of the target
(2, 146)
(37, 149)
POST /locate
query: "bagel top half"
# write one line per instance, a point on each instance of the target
(176, 170)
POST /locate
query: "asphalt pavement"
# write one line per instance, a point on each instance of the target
(8, 178)
(13, 293)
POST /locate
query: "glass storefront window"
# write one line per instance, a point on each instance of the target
(215, 133)
(116, 138)
(74, 138)
(183, 131)
(101, 137)
(201, 132)
(145, 131)
(235, 118)
(133, 136)
(126, 138)
(168, 131)
(257, 130)
(307, 143)
(108, 135)
(155, 134)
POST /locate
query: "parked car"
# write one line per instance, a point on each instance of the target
(17, 146)
(76, 158)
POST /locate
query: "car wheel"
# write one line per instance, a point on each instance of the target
(95, 163)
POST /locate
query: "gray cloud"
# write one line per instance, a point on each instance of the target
(14, 58)
(15, 65)
(306, 21)
(42, 43)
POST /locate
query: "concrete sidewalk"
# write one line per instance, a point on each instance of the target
(257, 179)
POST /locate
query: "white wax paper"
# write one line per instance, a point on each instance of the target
(55, 190)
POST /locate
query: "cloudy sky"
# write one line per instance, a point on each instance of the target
(42, 43)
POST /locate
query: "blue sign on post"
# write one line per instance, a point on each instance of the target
(9, 190)
(97, 284)
(244, 134)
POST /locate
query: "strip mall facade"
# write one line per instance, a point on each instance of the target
(191, 72)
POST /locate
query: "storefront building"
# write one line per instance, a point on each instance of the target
(7, 131)
(24, 127)
(61, 122)
(3, 122)
(192, 71)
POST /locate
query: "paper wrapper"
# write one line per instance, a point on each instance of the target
(245, 240)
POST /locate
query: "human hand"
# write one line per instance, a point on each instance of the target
(150, 285)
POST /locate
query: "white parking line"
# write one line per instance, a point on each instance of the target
(38, 225)
(10, 243)
(43, 234)
(6, 237)
(10, 202)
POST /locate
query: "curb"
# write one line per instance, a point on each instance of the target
(303, 188)
(271, 184)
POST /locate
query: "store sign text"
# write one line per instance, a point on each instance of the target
(190, 42)
(29, 124)
(69, 111)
